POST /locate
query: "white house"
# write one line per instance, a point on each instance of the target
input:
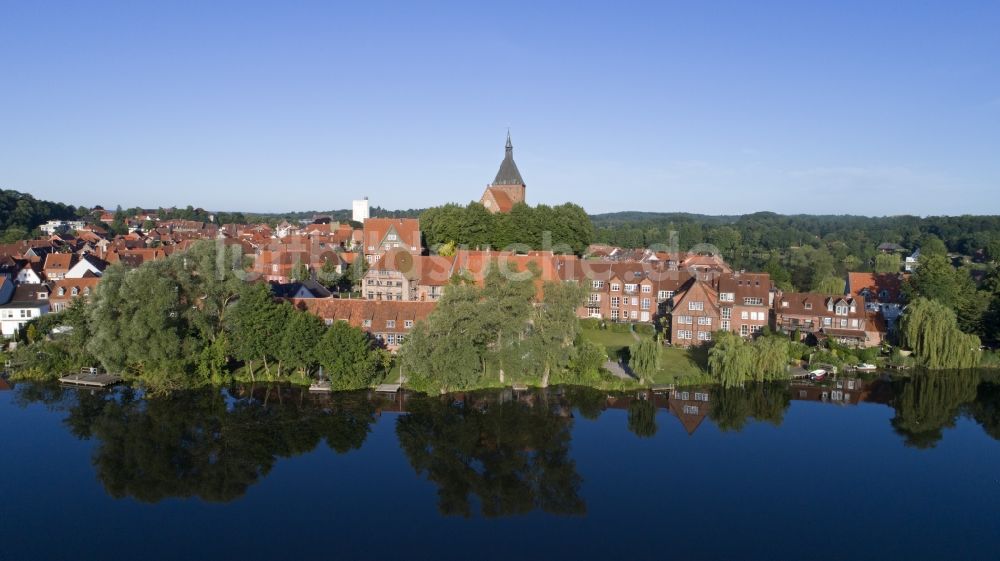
(86, 264)
(27, 303)
(910, 263)
(30, 273)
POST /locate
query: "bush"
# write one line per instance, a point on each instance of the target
(644, 329)
(620, 327)
(590, 323)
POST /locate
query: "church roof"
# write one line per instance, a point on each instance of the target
(508, 173)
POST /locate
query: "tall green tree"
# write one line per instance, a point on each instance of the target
(930, 329)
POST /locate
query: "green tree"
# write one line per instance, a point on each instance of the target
(644, 358)
(299, 342)
(930, 329)
(347, 356)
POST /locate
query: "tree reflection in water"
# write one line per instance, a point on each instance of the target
(504, 452)
(513, 456)
(203, 443)
(928, 402)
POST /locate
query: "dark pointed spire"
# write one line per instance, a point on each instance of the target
(508, 173)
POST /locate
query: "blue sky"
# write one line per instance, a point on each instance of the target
(862, 107)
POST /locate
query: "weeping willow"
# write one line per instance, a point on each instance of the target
(734, 361)
(930, 329)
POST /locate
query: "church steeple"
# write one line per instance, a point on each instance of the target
(508, 173)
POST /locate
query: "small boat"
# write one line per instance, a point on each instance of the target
(817, 374)
(866, 367)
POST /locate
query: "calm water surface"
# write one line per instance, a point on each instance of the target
(852, 469)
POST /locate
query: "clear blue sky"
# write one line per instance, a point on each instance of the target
(864, 107)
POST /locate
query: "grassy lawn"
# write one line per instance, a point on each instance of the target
(676, 366)
(613, 341)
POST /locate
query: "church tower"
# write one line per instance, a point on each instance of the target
(508, 187)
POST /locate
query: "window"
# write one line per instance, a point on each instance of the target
(390, 339)
(854, 323)
(615, 287)
(645, 303)
(841, 310)
(724, 324)
(635, 314)
(399, 338)
(662, 295)
(646, 289)
(696, 306)
(753, 301)
(843, 323)
(614, 315)
(598, 284)
(390, 324)
(629, 287)
(685, 320)
(704, 335)
(744, 330)
(595, 298)
(366, 323)
(594, 312)
(744, 315)
(635, 301)
(690, 409)
(75, 291)
(704, 321)
(727, 313)
(391, 237)
(684, 334)
(328, 321)
(700, 396)
(727, 296)
(809, 305)
(62, 291)
(827, 322)
(408, 324)
(614, 301)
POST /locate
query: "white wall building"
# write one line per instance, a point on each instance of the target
(360, 210)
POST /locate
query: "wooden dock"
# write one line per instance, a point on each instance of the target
(388, 388)
(91, 380)
(321, 386)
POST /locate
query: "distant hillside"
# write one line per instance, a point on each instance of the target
(20, 213)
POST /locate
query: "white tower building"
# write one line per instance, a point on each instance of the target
(360, 211)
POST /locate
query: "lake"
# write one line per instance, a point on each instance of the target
(870, 468)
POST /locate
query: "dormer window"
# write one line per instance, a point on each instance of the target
(390, 324)
(75, 291)
(841, 310)
(62, 291)
(809, 305)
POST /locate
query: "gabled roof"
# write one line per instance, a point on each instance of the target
(874, 284)
(377, 312)
(508, 173)
(698, 291)
(81, 285)
(407, 230)
(59, 262)
(501, 200)
(29, 294)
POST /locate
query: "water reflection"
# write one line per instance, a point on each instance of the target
(494, 453)
(510, 452)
